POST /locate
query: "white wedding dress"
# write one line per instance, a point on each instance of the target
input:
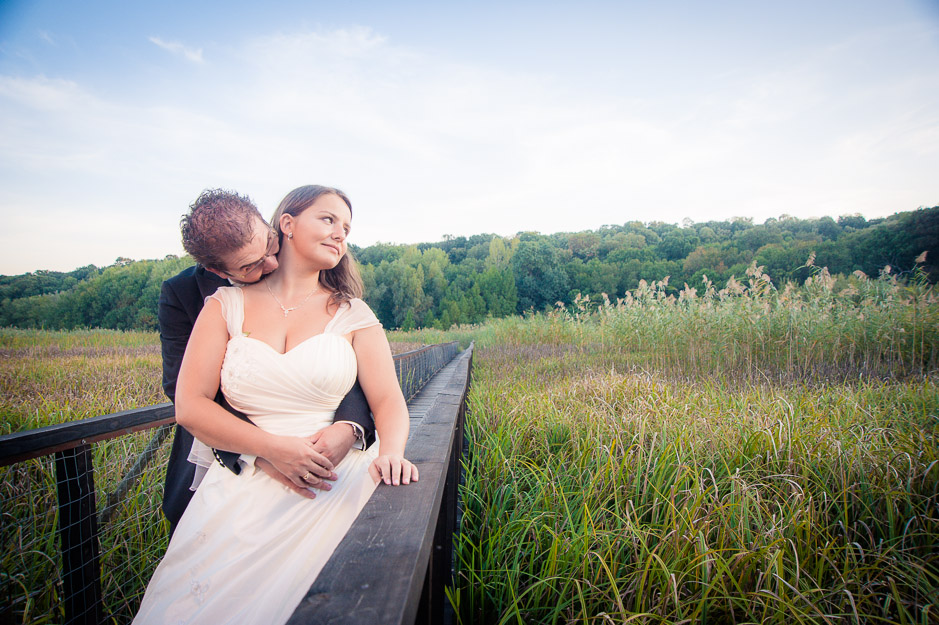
(247, 549)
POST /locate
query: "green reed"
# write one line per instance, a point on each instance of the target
(824, 331)
(15, 338)
(47, 384)
(599, 496)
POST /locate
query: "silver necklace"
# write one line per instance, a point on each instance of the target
(292, 308)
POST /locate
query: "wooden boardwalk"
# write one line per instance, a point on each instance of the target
(425, 398)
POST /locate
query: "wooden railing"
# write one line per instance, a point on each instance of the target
(399, 529)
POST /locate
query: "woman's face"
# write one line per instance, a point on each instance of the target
(320, 231)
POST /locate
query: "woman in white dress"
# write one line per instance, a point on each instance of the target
(285, 351)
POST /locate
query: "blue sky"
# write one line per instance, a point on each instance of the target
(457, 118)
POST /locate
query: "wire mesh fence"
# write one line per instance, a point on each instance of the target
(29, 544)
(127, 544)
(82, 529)
(132, 531)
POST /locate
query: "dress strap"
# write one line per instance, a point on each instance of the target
(232, 299)
(351, 316)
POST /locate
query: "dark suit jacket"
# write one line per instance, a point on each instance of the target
(181, 300)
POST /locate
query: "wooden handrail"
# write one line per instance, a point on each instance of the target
(394, 562)
(50, 439)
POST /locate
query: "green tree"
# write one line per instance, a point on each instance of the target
(539, 278)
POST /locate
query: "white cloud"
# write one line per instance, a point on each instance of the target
(426, 146)
(191, 54)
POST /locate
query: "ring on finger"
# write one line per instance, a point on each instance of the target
(306, 476)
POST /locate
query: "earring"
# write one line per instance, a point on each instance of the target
(290, 235)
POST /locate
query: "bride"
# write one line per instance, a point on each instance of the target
(285, 351)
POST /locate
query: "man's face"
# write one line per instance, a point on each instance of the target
(256, 258)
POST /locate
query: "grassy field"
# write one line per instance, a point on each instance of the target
(52, 377)
(743, 456)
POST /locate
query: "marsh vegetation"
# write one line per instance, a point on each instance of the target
(746, 456)
(734, 455)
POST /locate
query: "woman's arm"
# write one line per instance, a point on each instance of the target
(377, 375)
(197, 411)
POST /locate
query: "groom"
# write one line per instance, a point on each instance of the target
(232, 244)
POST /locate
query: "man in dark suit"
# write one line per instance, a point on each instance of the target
(226, 234)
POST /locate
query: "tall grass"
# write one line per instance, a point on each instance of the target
(593, 495)
(47, 385)
(132, 533)
(866, 329)
(741, 456)
(66, 340)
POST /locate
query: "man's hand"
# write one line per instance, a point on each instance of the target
(334, 441)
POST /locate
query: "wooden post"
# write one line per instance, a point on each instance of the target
(78, 532)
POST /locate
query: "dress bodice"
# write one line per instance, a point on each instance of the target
(314, 376)
(309, 379)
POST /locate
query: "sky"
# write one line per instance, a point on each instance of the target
(457, 118)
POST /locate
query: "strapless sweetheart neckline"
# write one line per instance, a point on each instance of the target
(298, 345)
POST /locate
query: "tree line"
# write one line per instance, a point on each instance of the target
(467, 279)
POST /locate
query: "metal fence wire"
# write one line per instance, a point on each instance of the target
(81, 529)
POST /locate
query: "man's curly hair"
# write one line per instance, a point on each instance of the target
(219, 222)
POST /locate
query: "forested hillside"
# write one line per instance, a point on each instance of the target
(465, 280)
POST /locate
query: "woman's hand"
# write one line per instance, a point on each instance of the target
(297, 459)
(392, 469)
(282, 479)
